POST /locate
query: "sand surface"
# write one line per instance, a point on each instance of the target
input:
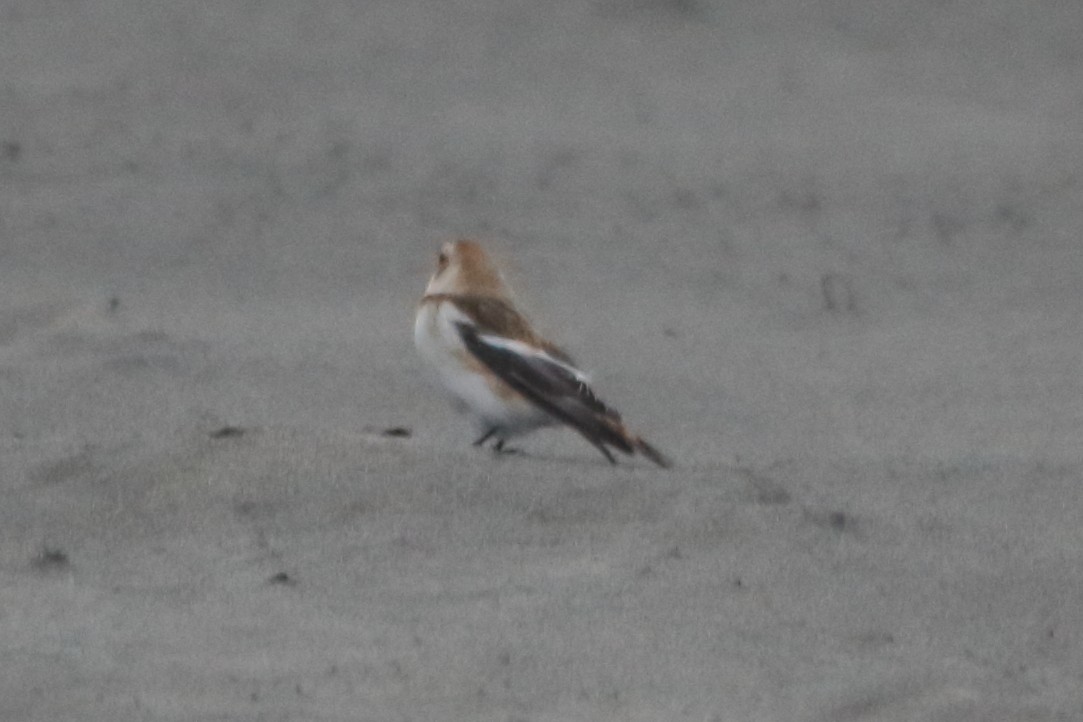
(827, 255)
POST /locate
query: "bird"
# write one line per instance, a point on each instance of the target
(500, 371)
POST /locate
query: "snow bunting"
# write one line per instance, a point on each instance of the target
(498, 369)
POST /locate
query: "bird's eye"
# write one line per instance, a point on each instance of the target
(441, 262)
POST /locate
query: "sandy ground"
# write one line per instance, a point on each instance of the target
(827, 255)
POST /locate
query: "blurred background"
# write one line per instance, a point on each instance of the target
(271, 179)
(826, 254)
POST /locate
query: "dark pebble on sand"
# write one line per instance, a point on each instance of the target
(51, 558)
(282, 578)
(227, 432)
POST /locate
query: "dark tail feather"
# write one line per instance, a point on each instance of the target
(602, 432)
(651, 453)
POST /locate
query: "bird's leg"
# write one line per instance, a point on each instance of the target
(605, 452)
(485, 437)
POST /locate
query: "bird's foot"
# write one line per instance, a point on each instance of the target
(500, 450)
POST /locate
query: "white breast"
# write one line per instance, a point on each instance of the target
(474, 388)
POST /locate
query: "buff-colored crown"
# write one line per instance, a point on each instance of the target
(464, 268)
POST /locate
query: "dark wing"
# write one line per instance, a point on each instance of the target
(551, 385)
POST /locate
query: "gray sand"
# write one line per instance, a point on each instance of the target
(826, 255)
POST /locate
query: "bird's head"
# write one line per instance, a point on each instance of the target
(464, 268)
